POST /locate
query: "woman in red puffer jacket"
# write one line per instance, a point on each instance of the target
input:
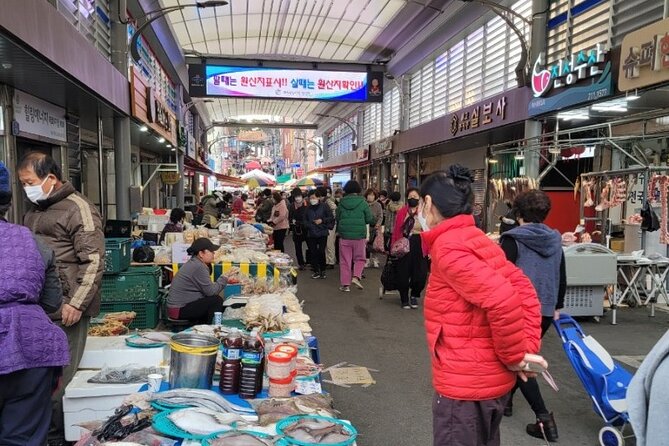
(482, 316)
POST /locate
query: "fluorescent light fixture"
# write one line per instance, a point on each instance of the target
(161, 140)
(632, 96)
(168, 145)
(609, 108)
(173, 149)
(143, 129)
(575, 115)
(555, 150)
(519, 156)
(493, 161)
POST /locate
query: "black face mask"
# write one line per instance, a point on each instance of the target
(412, 202)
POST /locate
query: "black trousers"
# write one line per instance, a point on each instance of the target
(279, 235)
(317, 246)
(298, 240)
(412, 271)
(530, 388)
(202, 310)
(466, 423)
(25, 406)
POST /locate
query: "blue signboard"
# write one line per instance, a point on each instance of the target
(584, 77)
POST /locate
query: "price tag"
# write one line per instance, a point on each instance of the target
(307, 387)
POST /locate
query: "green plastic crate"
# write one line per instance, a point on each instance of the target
(138, 283)
(148, 312)
(117, 255)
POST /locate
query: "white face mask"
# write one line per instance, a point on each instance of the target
(422, 220)
(313, 202)
(35, 193)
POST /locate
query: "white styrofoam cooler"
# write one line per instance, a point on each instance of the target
(113, 352)
(84, 401)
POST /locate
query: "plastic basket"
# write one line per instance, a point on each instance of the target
(286, 422)
(138, 283)
(117, 255)
(147, 312)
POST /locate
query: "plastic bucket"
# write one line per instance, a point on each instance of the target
(193, 359)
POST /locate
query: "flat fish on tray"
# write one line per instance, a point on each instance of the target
(240, 439)
(317, 432)
(201, 421)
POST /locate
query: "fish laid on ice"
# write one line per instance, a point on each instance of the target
(240, 439)
(197, 421)
(200, 398)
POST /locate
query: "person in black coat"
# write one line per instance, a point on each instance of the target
(318, 220)
(296, 211)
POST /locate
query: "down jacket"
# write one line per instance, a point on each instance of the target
(353, 216)
(481, 313)
(71, 225)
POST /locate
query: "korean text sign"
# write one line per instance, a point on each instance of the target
(645, 57)
(39, 117)
(283, 83)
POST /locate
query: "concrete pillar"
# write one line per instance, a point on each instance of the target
(122, 149)
(537, 46)
(122, 166)
(402, 175)
(9, 154)
(180, 184)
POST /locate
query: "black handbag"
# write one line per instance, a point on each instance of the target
(389, 276)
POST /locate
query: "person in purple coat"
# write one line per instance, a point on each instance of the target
(33, 348)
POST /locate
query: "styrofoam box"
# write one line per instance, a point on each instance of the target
(113, 352)
(84, 401)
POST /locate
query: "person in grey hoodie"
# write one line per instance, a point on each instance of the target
(537, 250)
(648, 396)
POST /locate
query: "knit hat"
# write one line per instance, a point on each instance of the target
(5, 188)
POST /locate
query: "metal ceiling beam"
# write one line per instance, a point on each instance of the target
(264, 125)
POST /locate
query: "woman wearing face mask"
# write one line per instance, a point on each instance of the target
(412, 268)
(193, 296)
(482, 316)
(318, 220)
(374, 228)
(296, 218)
(279, 220)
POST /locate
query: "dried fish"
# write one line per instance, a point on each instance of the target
(315, 431)
(199, 398)
(240, 439)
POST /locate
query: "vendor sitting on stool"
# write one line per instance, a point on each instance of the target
(193, 296)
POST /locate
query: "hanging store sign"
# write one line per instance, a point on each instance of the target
(190, 146)
(644, 57)
(478, 117)
(33, 116)
(585, 76)
(149, 108)
(383, 147)
(284, 83)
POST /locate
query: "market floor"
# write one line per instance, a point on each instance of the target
(359, 328)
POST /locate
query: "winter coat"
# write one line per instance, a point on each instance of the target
(648, 397)
(279, 215)
(353, 216)
(28, 338)
(539, 256)
(390, 214)
(319, 212)
(296, 216)
(264, 211)
(377, 212)
(481, 313)
(237, 205)
(401, 217)
(71, 225)
(210, 207)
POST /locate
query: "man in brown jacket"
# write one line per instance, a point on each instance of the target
(71, 225)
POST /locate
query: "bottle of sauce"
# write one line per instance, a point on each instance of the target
(250, 382)
(232, 363)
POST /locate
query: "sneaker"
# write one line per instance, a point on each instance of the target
(302, 267)
(367, 263)
(406, 307)
(375, 263)
(345, 288)
(544, 429)
(316, 275)
(355, 281)
(322, 276)
(414, 302)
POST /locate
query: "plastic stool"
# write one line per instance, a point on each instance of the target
(177, 325)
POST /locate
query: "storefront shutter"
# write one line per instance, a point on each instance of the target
(630, 15)
(91, 18)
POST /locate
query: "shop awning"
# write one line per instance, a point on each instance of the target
(339, 167)
(283, 178)
(197, 166)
